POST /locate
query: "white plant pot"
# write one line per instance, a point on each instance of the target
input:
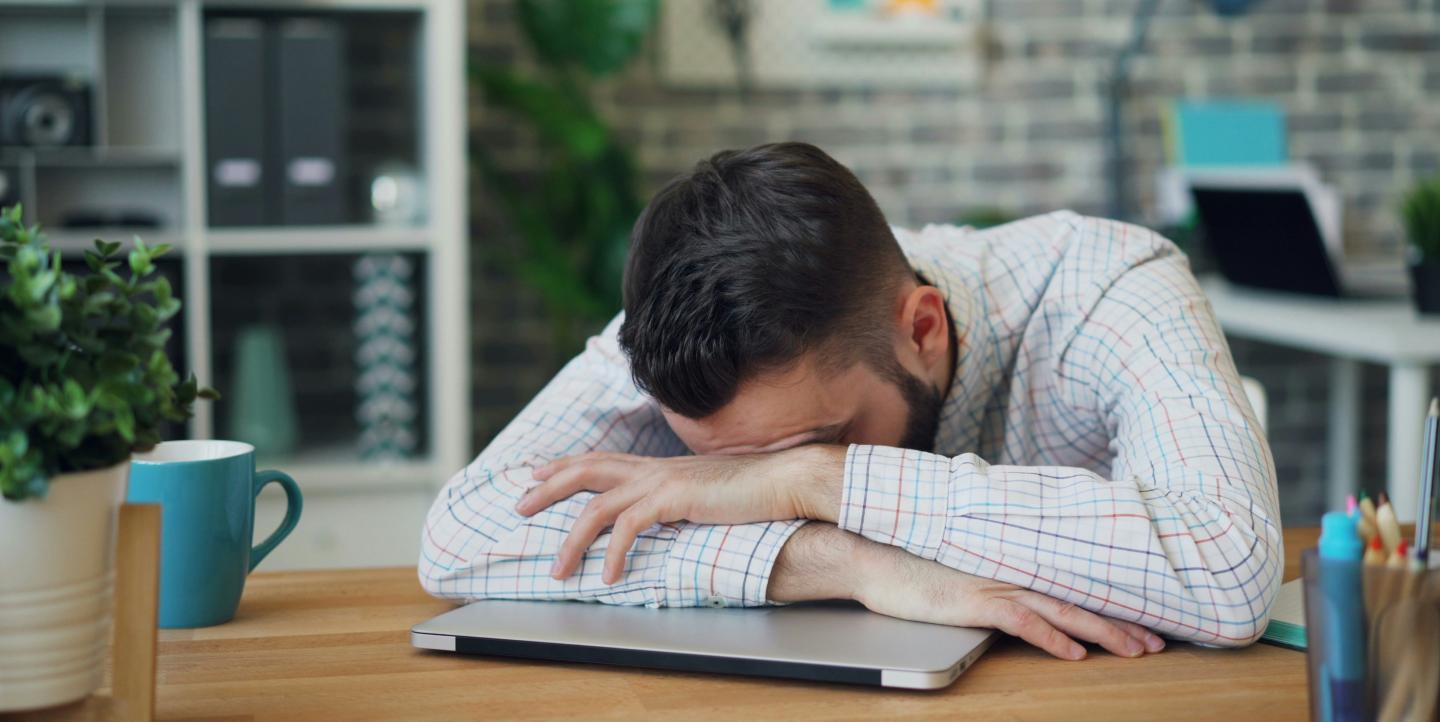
(57, 576)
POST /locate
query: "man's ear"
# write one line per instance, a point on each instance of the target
(926, 326)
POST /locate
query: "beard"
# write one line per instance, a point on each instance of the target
(924, 402)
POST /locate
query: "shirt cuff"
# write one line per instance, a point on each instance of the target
(719, 565)
(898, 497)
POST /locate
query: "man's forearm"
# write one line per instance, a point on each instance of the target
(819, 473)
(821, 561)
(817, 562)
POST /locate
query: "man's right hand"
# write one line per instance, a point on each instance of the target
(823, 562)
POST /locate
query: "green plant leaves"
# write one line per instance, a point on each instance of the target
(560, 117)
(1421, 213)
(574, 216)
(24, 476)
(598, 36)
(43, 319)
(84, 378)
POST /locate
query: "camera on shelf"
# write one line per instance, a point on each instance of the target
(44, 111)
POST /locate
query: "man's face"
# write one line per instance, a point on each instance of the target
(804, 405)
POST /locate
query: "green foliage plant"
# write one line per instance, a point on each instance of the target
(1421, 213)
(574, 216)
(84, 379)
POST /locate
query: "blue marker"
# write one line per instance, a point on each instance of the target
(1344, 666)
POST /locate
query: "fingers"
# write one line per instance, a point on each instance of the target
(1120, 638)
(1149, 640)
(601, 472)
(599, 513)
(1018, 620)
(627, 526)
(1152, 641)
(546, 471)
(565, 477)
(1083, 624)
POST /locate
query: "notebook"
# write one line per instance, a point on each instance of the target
(1287, 617)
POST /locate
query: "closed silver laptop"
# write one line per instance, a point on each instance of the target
(829, 641)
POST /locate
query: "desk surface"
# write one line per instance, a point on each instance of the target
(1380, 330)
(334, 645)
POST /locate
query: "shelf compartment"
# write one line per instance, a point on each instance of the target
(62, 193)
(284, 153)
(141, 91)
(47, 39)
(74, 242)
(347, 348)
(348, 6)
(315, 239)
(84, 157)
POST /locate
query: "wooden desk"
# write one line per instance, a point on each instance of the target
(334, 645)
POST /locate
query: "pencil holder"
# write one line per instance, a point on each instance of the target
(1373, 634)
(1402, 610)
(1335, 633)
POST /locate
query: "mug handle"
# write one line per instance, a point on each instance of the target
(294, 503)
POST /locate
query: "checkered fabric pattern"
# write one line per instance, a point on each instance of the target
(1095, 445)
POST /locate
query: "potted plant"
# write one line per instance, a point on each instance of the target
(573, 219)
(84, 382)
(1421, 212)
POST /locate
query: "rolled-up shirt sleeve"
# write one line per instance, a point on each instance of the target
(475, 546)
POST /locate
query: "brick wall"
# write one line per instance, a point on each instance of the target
(1360, 81)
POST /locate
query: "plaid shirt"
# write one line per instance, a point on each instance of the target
(1095, 445)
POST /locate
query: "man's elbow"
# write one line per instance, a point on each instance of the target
(436, 579)
(442, 572)
(460, 532)
(1239, 630)
(440, 587)
(1223, 625)
(1239, 617)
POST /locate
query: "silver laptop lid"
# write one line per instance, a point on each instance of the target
(823, 638)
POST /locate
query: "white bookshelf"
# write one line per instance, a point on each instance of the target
(150, 54)
(317, 239)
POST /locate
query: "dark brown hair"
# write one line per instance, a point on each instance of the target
(752, 259)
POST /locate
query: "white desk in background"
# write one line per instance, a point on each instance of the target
(1349, 330)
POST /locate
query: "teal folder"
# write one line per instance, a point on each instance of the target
(1228, 133)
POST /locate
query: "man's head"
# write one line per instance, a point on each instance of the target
(767, 304)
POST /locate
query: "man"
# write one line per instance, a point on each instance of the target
(1037, 428)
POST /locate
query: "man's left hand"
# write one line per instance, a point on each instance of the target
(636, 492)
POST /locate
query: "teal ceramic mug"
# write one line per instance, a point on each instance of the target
(207, 491)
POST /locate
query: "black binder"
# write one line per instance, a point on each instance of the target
(235, 112)
(309, 122)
